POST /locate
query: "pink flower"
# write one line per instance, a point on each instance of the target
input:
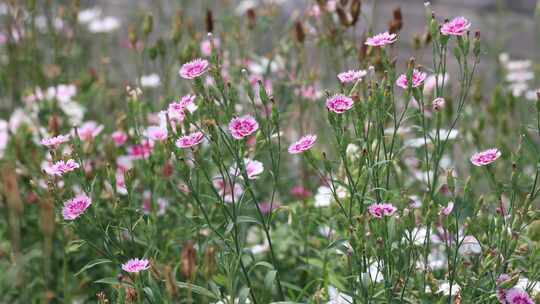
(193, 69)
(227, 192)
(485, 157)
(254, 168)
(351, 76)
(456, 27)
(190, 140)
(89, 130)
(177, 109)
(136, 265)
(501, 292)
(206, 46)
(241, 127)
(417, 79)
(518, 296)
(448, 209)
(266, 208)
(119, 138)
(302, 144)
(339, 103)
(75, 207)
(156, 133)
(162, 204)
(141, 151)
(380, 210)
(300, 192)
(381, 39)
(54, 142)
(61, 167)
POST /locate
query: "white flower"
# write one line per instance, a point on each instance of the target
(337, 297)
(323, 198)
(150, 81)
(74, 112)
(444, 288)
(524, 283)
(88, 15)
(105, 25)
(374, 273)
(470, 246)
(4, 136)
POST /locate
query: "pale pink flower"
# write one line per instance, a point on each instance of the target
(226, 191)
(136, 265)
(469, 246)
(177, 109)
(206, 46)
(61, 167)
(161, 203)
(54, 142)
(501, 292)
(456, 27)
(485, 157)
(438, 104)
(119, 138)
(309, 92)
(448, 209)
(254, 168)
(156, 133)
(241, 127)
(75, 207)
(351, 76)
(193, 69)
(380, 210)
(303, 144)
(518, 296)
(381, 39)
(89, 130)
(417, 79)
(339, 103)
(121, 182)
(190, 140)
(266, 208)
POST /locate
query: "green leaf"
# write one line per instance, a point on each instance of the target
(92, 264)
(112, 281)
(269, 279)
(247, 219)
(197, 289)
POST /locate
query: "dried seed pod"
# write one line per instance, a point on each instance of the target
(209, 261)
(188, 260)
(252, 18)
(343, 18)
(300, 35)
(209, 21)
(356, 9)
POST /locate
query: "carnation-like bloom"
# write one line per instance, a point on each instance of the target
(266, 207)
(193, 69)
(61, 167)
(351, 76)
(518, 296)
(89, 130)
(485, 157)
(303, 144)
(190, 140)
(339, 103)
(156, 133)
(456, 27)
(254, 168)
(380, 210)
(469, 246)
(241, 127)
(381, 39)
(448, 209)
(177, 109)
(53, 142)
(438, 104)
(136, 265)
(417, 79)
(119, 138)
(76, 206)
(228, 193)
(141, 151)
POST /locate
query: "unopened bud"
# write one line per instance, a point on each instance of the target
(148, 24)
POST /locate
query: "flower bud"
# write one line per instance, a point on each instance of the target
(188, 260)
(148, 24)
(438, 104)
(300, 34)
(209, 21)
